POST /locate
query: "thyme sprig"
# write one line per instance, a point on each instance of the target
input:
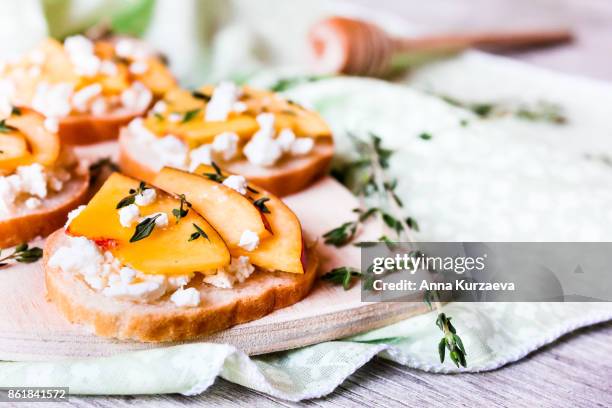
(541, 111)
(201, 95)
(260, 203)
(190, 114)
(284, 84)
(183, 209)
(366, 177)
(451, 342)
(22, 254)
(131, 197)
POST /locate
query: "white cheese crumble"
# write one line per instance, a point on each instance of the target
(285, 139)
(32, 203)
(171, 150)
(151, 289)
(237, 183)
(132, 49)
(189, 297)
(81, 53)
(226, 144)
(159, 107)
(249, 240)
(82, 97)
(73, 214)
(79, 256)
(175, 117)
(262, 150)
(238, 270)
(139, 67)
(128, 215)
(302, 146)
(200, 155)
(99, 106)
(140, 132)
(146, 197)
(53, 100)
(222, 102)
(137, 97)
(51, 124)
(33, 180)
(108, 68)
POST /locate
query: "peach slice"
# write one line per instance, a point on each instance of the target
(45, 146)
(157, 77)
(13, 151)
(166, 250)
(283, 251)
(226, 210)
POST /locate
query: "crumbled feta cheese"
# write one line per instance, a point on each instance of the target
(140, 132)
(51, 125)
(222, 102)
(81, 98)
(108, 68)
(32, 203)
(200, 155)
(159, 107)
(127, 275)
(139, 67)
(302, 146)
(53, 100)
(99, 106)
(175, 117)
(147, 197)
(222, 279)
(240, 107)
(148, 290)
(81, 256)
(81, 53)
(55, 183)
(226, 144)
(285, 139)
(178, 281)
(33, 180)
(136, 98)
(266, 123)
(249, 240)
(237, 183)
(133, 49)
(186, 297)
(128, 215)
(6, 107)
(262, 150)
(73, 214)
(242, 268)
(171, 151)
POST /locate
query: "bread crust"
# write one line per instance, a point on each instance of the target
(162, 321)
(45, 220)
(287, 177)
(89, 129)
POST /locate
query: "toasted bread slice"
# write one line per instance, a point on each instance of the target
(29, 224)
(262, 293)
(89, 129)
(288, 176)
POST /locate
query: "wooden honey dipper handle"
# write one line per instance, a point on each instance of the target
(354, 47)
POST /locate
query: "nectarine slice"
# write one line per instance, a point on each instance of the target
(44, 145)
(229, 212)
(284, 249)
(166, 250)
(13, 151)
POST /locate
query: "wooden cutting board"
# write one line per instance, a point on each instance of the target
(31, 328)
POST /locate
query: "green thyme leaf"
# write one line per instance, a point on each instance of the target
(189, 115)
(425, 136)
(341, 235)
(260, 203)
(183, 208)
(412, 224)
(144, 228)
(131, 197)
(201, 95)
(4, 128)
(199, 233)
(342, 275)
(23, 254)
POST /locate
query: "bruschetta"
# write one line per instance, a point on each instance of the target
(177, 258)
(40, 182)
(274, 142)
(87, 90)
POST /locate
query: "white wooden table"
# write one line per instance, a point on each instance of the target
(574, 371)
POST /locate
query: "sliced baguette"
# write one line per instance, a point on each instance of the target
(262, 293)
(29, 224)
(288, 176)
(89, 129)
